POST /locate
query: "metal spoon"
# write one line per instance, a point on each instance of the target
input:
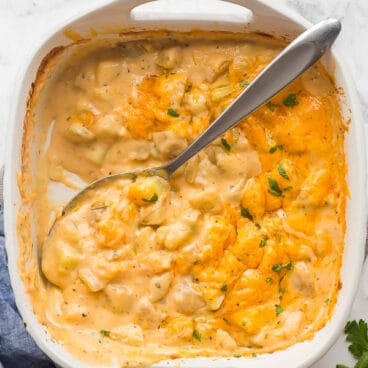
(297, 57)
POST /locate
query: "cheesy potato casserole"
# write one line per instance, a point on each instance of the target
(239, 254)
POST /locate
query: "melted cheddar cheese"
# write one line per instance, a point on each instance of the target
(238, 254)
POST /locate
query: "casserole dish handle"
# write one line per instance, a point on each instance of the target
(169, 14)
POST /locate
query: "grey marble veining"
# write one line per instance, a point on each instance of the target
(23, 23)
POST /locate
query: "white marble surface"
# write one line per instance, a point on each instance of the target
(24, 22)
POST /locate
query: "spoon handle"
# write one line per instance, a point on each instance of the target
(297, 57)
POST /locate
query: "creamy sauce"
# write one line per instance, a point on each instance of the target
(239, 254)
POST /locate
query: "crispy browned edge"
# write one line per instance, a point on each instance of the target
(27, 122)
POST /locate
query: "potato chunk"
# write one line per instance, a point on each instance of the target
(219, 64)
(246, 248)
(207, 201)
(107, 71)
(186, 298)
(74, 312)
(316, 188)
(145, 241)
(97, 274)
(196, 102)
(169, 144)
(112, 232)
(58, 261)
(120, 298)
(173, 236)
(289, 326)
(147, 315)
(159, 286)
(212, 294)
(302, 280)
(220, 93)
(153, 215)
(158, 261)
(180, 328)
(109, 125)
(169, 58)
(253, 319)
(130, 334)
(140, 150)
(146, 191)
(225, 341)
(254, 198)
(78, 132)
(95, 153)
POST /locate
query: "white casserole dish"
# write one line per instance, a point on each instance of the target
(274, 20)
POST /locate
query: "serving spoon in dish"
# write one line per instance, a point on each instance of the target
(297, 57)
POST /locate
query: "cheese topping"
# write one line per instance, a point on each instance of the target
(239, 254)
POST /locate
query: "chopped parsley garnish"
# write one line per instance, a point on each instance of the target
(279, 309)
(172, 112)
(269, 280)
(274, 187)
(275, 148)
(287, 188)
(224, 288)
(279, 266)
(254, 355)
(154, 198)
(357, 335)
(226, 144)
(327, 301)
(243, 83)
(237, 356)
(227, 321)
(271, 106)
(244, 212)
(290, 100)
(282, 290)
(105, 333)
(263, 242)
(288, 266)
(197, 335)
(282, 171)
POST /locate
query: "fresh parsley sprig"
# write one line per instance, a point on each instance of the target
(357, 335)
